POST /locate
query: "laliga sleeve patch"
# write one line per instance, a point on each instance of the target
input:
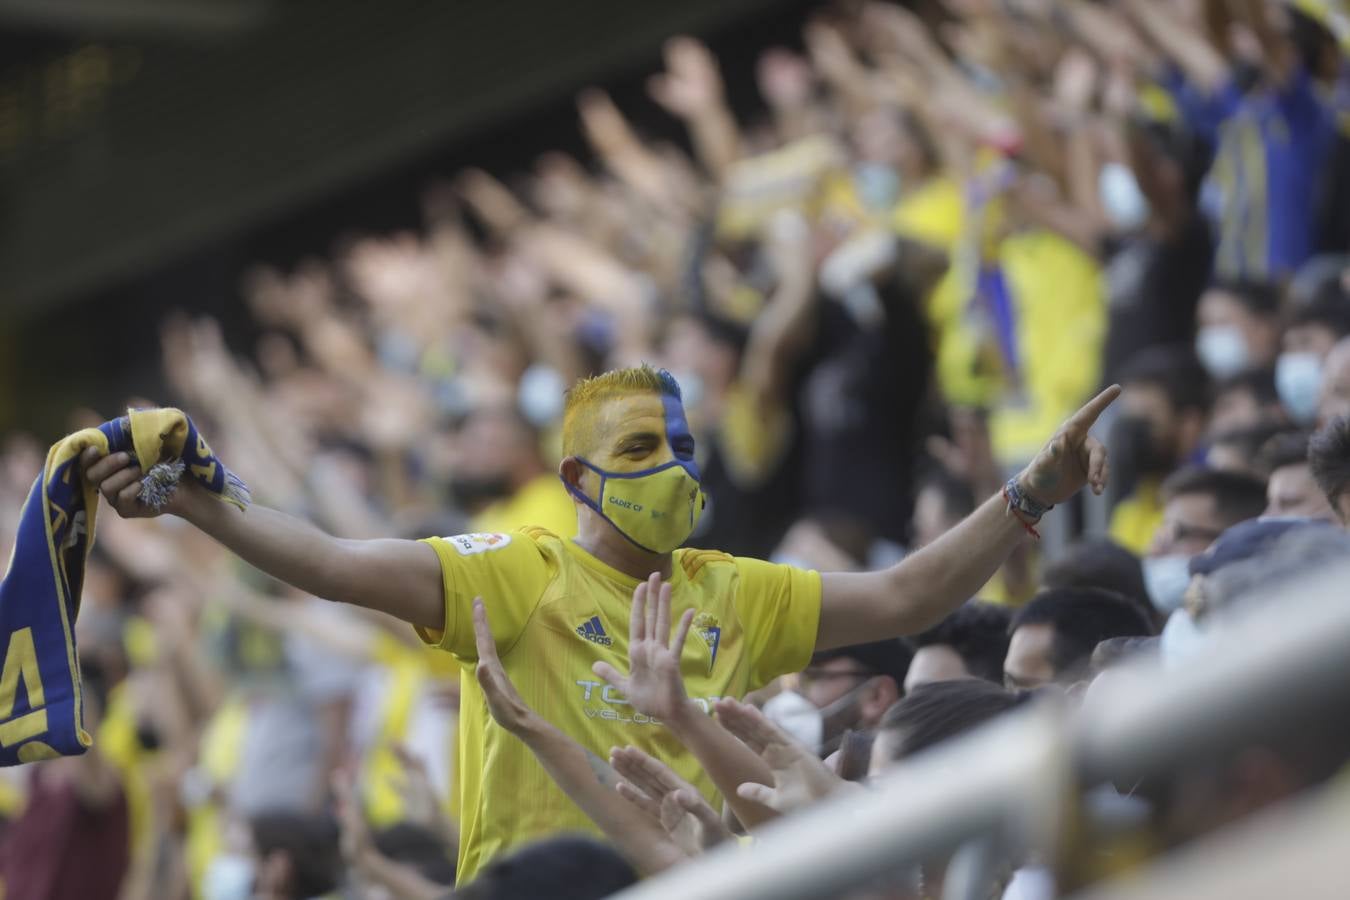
(479, 542)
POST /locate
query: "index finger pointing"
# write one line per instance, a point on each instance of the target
(1085, 418)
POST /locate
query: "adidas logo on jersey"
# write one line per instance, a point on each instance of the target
(594, 632)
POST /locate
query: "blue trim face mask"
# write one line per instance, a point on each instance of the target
(657, 508)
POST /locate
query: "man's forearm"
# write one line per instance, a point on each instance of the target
(363, 573)
(590, 783)
(919, 591)
(952, 569)
(727, 761)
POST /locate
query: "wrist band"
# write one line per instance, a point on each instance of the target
(1023, 508)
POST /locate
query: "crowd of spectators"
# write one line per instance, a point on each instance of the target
(949, 225)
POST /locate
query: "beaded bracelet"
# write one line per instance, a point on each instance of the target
(1023, 508)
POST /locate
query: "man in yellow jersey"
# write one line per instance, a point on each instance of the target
(558, 606)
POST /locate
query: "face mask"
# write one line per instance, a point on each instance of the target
(819, 728)
(1298, 380)
(798, 717)
(878, 185)
(656, 509)
(1222, 350)
(1181, 640)
(1125, 205)
(540, 395)
(229, 877)
(1166, 578)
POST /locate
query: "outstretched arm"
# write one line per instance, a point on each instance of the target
(920, 590)
(401, 578)
(586, 778)
(655, 688)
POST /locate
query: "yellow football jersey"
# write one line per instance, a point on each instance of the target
(554, 611)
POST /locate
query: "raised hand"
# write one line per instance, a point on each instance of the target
(503, 700)
(421, 802)
(356, 840)
(691, 82)
(800, 778)
(1072, 457)
(653, 685)
(785, 79)
(650, 785)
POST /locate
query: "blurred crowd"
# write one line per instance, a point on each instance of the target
(948, 225)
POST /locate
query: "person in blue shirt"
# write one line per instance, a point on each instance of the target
(1273, 127)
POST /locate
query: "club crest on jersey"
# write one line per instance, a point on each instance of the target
(707, 627)
(594, 631)
(478, 542)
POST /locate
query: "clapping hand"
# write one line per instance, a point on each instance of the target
(356, 840)
(800, 778)
(653, 685)
(650, 785)
(503, 700)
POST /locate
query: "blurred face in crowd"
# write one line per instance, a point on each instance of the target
(1229, 453)
(1238, 408)
(1335, 399)
(1253, 340)
(1164, 434)
(935, 662)
(492, 455)
(1030, 654)
(1291, 491)
(1310, 337)
(848, 693)
(1190, 524)
(882, 136)
(703, 366)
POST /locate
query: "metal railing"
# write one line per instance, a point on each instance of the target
(1285, 662)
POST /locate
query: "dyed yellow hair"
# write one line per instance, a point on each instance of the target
(581, 407)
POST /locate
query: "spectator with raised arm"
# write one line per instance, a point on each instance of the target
(631, 470)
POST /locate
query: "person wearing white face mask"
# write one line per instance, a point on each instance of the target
(1312, 332)
(847, 688)
(1199, 505)
(1238, 328)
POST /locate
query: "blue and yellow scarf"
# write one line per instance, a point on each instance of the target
(40, 715)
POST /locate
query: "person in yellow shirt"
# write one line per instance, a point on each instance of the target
(559, 606)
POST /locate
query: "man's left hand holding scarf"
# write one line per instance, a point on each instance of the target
(40, 699)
